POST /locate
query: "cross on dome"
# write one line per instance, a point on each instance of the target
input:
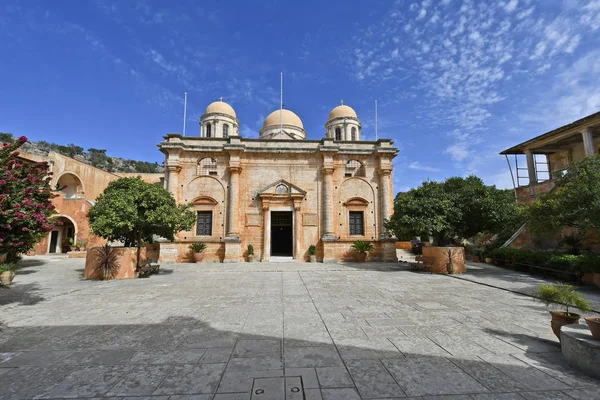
(221, 98)
(342, 102)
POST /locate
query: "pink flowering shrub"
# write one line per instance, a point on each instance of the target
(25, 201)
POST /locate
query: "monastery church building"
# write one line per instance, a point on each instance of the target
(280, 193)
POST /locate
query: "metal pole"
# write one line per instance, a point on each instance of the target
(376, 133)
(513, 178)
(281, 106)
(184, 110)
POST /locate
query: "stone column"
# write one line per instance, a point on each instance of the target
(588, 142)
(266, 251)
(385, 178)
(233, 202)
(297, 230)
(531, 167)
(328, 204)
(172, 180)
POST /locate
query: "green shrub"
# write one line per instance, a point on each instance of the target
(11, 266)
(561, 294)
(197, 247)
(564, 262)
(312, 250)
(362, 246)
(250, 250)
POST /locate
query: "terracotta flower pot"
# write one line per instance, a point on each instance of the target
(313, 258)
(251, 258)
(560, 318)
(489, 260)
(7, 277)
(361, 257)
(198, 257)
(594, 324)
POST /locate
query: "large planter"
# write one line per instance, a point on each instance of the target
(489, 260)
(198, 257)
(312, 258)
(7, 277)
(404, 245)
(440, 254)
(560, 319)
(125, 258)
(360, 257)
(594, 324)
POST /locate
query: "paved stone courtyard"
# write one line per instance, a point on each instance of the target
(276, 331)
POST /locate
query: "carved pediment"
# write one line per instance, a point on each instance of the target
(356, 201)
(282, 188)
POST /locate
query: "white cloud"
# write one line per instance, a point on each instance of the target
(418, 166)
(511, 5)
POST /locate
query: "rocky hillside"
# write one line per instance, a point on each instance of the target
(95, 157)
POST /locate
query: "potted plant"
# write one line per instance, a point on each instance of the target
(566, 296)
(7, 273)
(250, 253)
(362, 247)
(82, 244)
(594, 324)
(450, 261)
(197, 251)
(107, 266)
(312, 251)
(477, 252)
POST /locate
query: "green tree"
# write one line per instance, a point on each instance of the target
(132, 211)
(25, 201)
(458, 207)
(574, 202)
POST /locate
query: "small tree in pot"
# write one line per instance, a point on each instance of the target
(565, 295)
(7, 273)
(312, 251)
(250, 253)
(362, 247)
(197, 251)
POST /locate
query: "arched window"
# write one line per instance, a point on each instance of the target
(208, 130)
(354, 168)
(225, 130)
(71, 186)
(207, 166)
(353, 134)
(338, 134)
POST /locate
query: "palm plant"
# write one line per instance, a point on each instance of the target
(562, 294)
(312, 250)
(362, 246)
(108, 265)
(197, 247)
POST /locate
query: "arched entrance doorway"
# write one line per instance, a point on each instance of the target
(63, 233)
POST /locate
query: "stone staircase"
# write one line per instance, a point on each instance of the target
(405, 256)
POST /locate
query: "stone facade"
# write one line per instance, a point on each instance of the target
(84, 183)
(280, 195)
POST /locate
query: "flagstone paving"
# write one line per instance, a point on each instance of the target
(275, 331)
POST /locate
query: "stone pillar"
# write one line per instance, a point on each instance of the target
(233, 202)
(297, 230)
(266, 251)
(385, 179)
(588, 142)
(328, 204)
(531, 167)
(172, 181)
(346, 130)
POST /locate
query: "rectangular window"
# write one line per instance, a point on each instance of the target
(204, 225)
(357, 223)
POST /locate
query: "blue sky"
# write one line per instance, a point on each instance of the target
(457, 81)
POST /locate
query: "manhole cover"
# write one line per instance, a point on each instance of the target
(288, 388)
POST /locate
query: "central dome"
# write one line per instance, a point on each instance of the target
(220, 107)
(287, 118)
(342, 112)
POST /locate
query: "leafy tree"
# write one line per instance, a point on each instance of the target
(25, 201)
(6, 137)
(459, 207)
(574, 202)
(132, 211)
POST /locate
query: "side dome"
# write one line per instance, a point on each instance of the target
(287, 118)
(342, 112)
(220, 107)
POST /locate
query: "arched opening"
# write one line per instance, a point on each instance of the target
(64, 235)
(338, 134)
(353, 134)
(225, 131)
(73, 188)
(207, 166)
(354, 168)
(208, 130)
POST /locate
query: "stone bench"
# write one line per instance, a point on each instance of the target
(580, 350)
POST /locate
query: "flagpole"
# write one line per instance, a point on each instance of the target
(376, 133)
(184, 110)
(281, 106)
